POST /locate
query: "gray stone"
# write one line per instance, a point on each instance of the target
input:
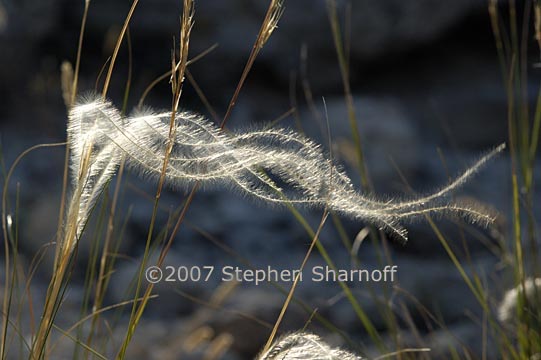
(439, 287)
(377, 28)
(170, 302)
(248, 304)
(463, 338)
(388, 134)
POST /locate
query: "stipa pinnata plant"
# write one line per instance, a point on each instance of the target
(520, 314)
(201, 153)
(529, 294)
(303, 345)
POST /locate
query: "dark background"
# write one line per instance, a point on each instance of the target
(426, 82)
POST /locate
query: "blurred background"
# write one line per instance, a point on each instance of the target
(429, 100)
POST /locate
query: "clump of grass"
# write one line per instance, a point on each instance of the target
(512, 32)
(303, 345)
(201, 153)
(507, 307)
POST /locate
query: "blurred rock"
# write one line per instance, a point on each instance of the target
(388, 136)
(438, 287)
(377, 28)
(461, 336)
(23, 26)
(246, 312)
(170, 301)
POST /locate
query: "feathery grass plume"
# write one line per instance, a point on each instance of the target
(303, 345)
(531, 289)
(201, 152)
(94, 159)
(91, 123)
(520, 314)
